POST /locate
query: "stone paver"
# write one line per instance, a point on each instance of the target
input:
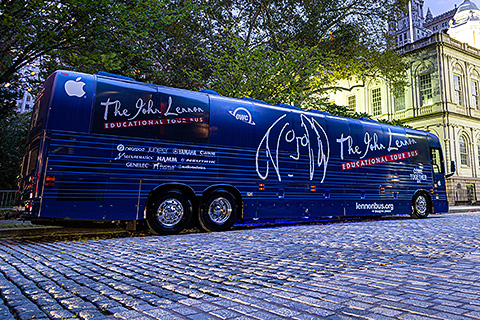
(385, 269)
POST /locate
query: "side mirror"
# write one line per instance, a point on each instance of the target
(452, 169)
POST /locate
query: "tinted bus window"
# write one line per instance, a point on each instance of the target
(40, 109)
(136, 110)
(437, 161)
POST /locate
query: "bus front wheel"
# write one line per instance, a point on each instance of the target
(217, 211)
(421, 205)
(169, 213)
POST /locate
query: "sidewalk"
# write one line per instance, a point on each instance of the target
(456, 209)
(18, 227)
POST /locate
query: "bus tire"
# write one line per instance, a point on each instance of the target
(169, 213)
(217, 211)
(422, 206)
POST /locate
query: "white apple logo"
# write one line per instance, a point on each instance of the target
(75, 88)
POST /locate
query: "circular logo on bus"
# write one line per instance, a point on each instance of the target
(243, 115)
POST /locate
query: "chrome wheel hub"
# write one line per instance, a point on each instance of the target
(170, 212)
(220, 210)
(421, 205)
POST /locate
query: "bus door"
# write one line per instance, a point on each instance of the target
(439, 195)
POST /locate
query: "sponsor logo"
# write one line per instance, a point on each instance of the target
(243, 115)
(75, 88)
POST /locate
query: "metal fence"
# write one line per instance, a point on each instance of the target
(7, 199)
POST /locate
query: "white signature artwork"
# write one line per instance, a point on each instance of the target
(371, 143)
(143, 108)
(312, 140)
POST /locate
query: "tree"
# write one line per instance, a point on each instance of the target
(13, 132)
(84, 35)
(288, 51)
(91, 35)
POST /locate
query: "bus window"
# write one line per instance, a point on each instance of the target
(437, 161)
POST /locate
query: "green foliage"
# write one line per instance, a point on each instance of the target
(287, 51)
(8, 98)
(85, 35)
(13, 132)
(119, 36)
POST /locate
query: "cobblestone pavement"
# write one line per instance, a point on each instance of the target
(383, 269)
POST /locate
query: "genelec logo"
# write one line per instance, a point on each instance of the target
(243, 115)
(75, 88)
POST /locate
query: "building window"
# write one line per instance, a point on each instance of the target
(457, 87)
(426, 89)
(478, 152)
(377, 101)
(463, 151)
(475, 97)
(399, 97)
(352, 103)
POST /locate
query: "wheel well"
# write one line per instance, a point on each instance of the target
(234, 191)
(183, 188)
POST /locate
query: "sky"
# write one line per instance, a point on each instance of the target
(438, 7)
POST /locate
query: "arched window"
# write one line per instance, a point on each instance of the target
(475, 89)
(463, 150)
(424, 77)
(457, 89)
(458, 85)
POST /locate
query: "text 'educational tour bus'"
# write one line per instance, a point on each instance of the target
(107, 148)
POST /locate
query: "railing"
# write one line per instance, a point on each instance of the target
(436, 38)
(400, 115)
(7, 199)
(475, 113)
(461, 109)
(425, 110)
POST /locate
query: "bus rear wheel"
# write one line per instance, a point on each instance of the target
(170, 213)
(217, 211)
(421, 205)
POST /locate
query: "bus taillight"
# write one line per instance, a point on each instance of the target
(49, 181)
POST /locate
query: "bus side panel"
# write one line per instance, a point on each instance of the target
(79, 163)
(71, 104)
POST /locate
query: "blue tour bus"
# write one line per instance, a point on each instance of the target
(107, 148)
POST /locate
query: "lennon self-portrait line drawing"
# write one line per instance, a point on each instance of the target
(316, 147)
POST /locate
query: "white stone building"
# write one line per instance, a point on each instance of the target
(443, 95)
(26, 103)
